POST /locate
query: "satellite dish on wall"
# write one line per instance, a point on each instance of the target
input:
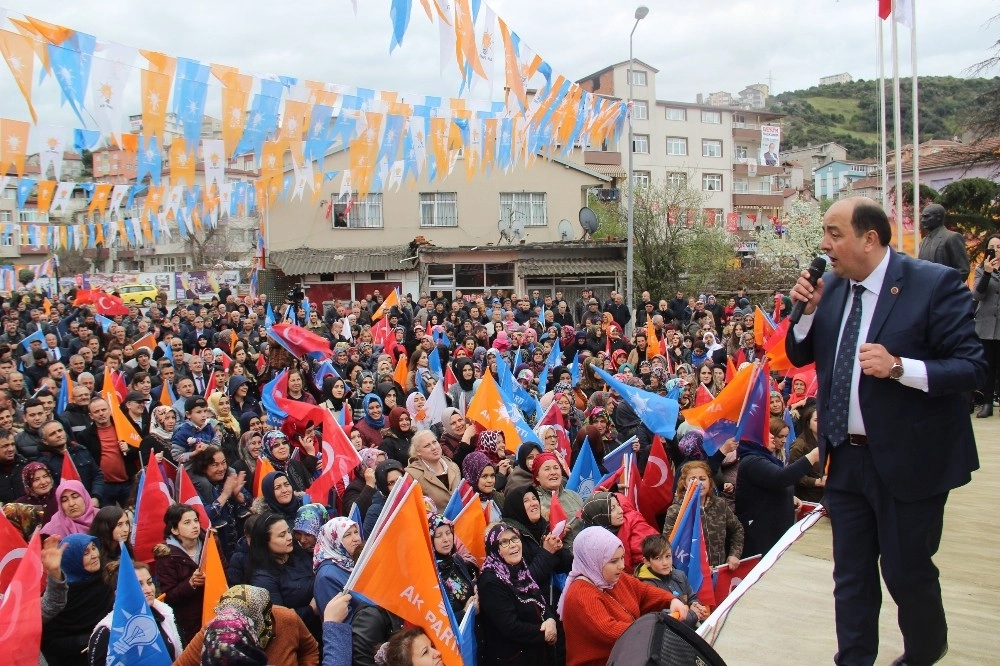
(588, 220)
(565, 230)
(517, 229)
(506, 228)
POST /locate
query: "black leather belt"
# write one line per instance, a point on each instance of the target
(858, 440)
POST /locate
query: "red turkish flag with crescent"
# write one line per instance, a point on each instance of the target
(21, 608)
(727, 580)
(557, 517)
(300, 342)
(12, 549)
(657, 485)
(109, 305)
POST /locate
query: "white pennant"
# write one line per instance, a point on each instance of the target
(110, 69)
(51, 141)
(117, 195)
(213, 152)
(60, 200)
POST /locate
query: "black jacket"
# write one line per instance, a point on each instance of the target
(372, 626)
(75, 419)
(764, 502)
(11, 486)
(510, 625)
(90, 472)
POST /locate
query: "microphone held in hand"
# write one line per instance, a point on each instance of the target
(816, 270)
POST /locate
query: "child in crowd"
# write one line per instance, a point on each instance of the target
(657, 569)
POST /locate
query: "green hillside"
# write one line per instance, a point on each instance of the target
(848, 112)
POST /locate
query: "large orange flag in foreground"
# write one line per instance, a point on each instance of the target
(215, 577)
(470, 528)
(396, 571)
(488, 410)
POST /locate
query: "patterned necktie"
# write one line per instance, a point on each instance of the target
(843, 368)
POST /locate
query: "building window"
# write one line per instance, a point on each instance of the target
(711, 182)
(741, 186)
(365, 213)
(739, 120)
(641, 179)
(529, 207)
(711, 148)
(439, 209)
(10, 193)
(676, 114)
(638, 78)
(640, 143)
(712, 217)
(677, 146)
(677, 179)
(30, 216)
(640, 110)
(742, 152)
(6, 216)
(711, 117)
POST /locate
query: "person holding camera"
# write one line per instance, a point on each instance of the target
(986, 292)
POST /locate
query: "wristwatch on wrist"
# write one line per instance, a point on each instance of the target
(896, 371)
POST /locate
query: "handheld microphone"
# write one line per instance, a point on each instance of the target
(816, 270)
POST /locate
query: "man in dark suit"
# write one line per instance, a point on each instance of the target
(894, 425)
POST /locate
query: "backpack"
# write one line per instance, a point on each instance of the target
(657, 639)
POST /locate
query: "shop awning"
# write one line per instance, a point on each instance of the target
(307, 261)
(571, 266)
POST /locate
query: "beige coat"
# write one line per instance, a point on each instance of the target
(431, 485)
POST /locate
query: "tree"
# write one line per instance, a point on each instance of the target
(208, 246)
(670, 237)
(796, 240)
(72, 262)
(984, 113)
(973, 209)
(26, 276)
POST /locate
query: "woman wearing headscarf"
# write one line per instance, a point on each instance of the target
(309, 520)
(337, 548)
(453, 437)
(250, 449)
(396, 437)
(520, 476)
(162, 422)
(764, 493)
(457, 573)
(361, 489)
(519, 627)
(89, 598)
(438, 477)
(246, 624)
(386, 474)
(373, 422)
(416, 406)
(600, 600)
(542, 552)
(278, 451)
(75, 512)
(39, 489)
(549, 478)
(335, 396)
(162, 613)
(229, 425)
(462, 391)
(480, 473)
(615, 513)
(242, 392)
(810, 487)
(277, 495)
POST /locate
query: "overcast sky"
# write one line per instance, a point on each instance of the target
(697, 46)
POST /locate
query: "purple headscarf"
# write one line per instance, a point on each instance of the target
(472, 467)
(516, 576)
(592, 549)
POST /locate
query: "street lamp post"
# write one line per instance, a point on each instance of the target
(640, 13)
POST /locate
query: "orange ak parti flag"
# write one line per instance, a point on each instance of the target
(402, 369)
(652, 342)
(487, 408)
(396, 571)
(390, 300)
(123, 427)
(470, 528)
(215, 577)
(263, 468)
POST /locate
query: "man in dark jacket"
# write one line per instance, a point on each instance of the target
(55, 446)
(76, 416)
(30, 440)
(11, 464)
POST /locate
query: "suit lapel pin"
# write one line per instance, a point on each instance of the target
(894, 291)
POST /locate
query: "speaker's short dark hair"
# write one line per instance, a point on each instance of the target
(869, 216)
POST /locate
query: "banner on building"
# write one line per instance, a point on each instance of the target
(770, 144)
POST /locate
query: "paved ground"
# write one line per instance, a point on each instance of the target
(787, 618)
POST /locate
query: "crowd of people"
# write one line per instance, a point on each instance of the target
(197, 400)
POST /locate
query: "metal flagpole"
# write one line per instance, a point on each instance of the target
(916, 128)
(883, 138)
(897, 134)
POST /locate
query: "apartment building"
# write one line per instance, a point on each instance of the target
(843, 77)
(813, 157)
(713, 148)
(832, 178)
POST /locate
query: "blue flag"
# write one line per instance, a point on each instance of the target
(686, 543)
(355, 514)
(63, 398)
(467, 638)
(574, 371)
(659, 414)
(614, 460)
(290, 314)
(511, 390)
(37, 335)
(135, 637)
(754, 423)
(324, 370)
(268, 317)
(308, 310)
(585, 473)
(434, 364)
(105, 322)
(455, 506)
(275, 415)
(791, 433)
